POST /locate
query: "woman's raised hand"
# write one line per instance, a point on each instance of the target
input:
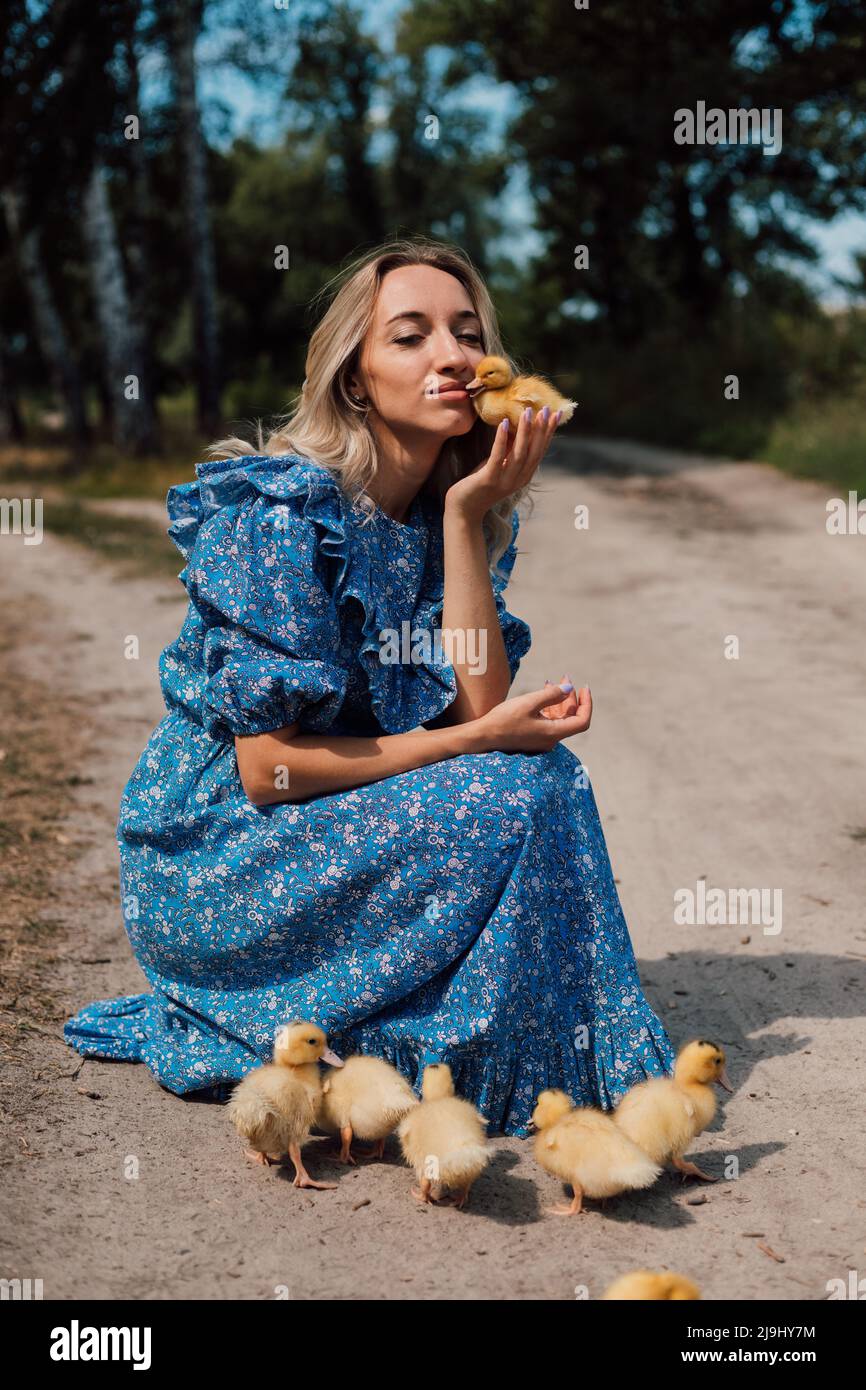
(508, 467)
(520, 725)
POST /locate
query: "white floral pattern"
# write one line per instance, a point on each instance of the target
(463, 911)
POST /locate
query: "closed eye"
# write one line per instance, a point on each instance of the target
(415, 337)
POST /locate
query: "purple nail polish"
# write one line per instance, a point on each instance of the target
(566, 686)
(503, 425)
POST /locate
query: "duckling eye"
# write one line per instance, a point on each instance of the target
(311, 1041)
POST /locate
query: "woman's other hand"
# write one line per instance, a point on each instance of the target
(520, 725)
(566, 706)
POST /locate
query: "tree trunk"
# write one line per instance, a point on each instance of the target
(134, 424)
(138, 243)
(11, 425)
(187, 15)
(48, 325)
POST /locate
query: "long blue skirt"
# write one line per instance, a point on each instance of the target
(462, 912)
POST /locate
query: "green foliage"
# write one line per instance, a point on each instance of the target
(824, 440)
(695, 253)
(261, 394)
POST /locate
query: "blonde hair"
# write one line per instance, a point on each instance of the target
(329, 427)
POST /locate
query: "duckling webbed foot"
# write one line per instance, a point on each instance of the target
(576, 1207)
(691, 1170)
(302, 1177)
(258, 1157)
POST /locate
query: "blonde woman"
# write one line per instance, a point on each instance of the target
(343, 816)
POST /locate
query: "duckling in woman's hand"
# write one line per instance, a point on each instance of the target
(496, 393)
(585, 1148)
(444, 1139)
(653, 1284)
(662, 1116)
(275, 1105)
(367, 1097)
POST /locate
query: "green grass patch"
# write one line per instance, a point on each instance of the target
(825, 440)
(138, 548)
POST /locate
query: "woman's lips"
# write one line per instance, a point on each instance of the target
(455, 393)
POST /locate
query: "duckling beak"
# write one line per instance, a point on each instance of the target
(332, 1059)
(724, 1080)
(532, 1126)
(473, 386)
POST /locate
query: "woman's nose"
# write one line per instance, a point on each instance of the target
(453, 363)
(448, 350)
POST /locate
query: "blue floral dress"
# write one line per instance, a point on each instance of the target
(463, 911)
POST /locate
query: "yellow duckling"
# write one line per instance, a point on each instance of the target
(444, 1139)
(585, 1148)
(275, 1105)
(652, 1284)
(662, 1116)
(367, 1097)
(497, 392)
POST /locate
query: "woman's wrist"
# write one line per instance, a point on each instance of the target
(457, 514)
(468, 737)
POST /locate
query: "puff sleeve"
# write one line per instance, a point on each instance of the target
(271, 642)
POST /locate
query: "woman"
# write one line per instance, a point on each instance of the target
(341, 818)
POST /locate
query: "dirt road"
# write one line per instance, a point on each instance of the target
(743, 772)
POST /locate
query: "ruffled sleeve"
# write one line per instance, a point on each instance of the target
(259, 576)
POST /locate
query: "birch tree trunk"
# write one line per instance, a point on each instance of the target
(186, 20)
(47, 323)
(133, 420)
(137, 241)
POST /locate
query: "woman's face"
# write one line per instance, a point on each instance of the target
(423, 343)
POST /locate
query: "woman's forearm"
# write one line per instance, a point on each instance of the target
(469, 610)
(286, 766)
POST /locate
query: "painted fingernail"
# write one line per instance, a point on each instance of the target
(557, 417)
(545, 414)
(527, 414)
(504, 425)
(566, 685)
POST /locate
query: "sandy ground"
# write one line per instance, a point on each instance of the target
(745, 773)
